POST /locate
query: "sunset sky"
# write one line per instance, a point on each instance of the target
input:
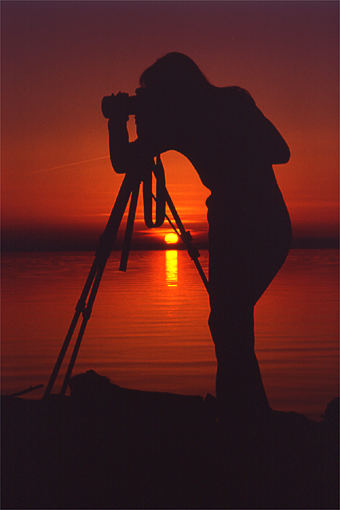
(60, 58)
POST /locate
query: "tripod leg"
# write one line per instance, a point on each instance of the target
(102, 253)
(132, 187)
(129, 229)
(86, 317)
(79, 308)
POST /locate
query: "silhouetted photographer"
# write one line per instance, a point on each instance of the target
(233, 146)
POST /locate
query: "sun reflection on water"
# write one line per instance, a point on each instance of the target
(171, 267)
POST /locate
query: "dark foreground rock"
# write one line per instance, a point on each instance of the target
(109, 447)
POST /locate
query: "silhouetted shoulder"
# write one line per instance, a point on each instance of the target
(245, 122)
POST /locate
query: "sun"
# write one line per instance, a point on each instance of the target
(171, 238)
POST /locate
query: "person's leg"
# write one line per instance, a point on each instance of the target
(238, 277)
(239, 388)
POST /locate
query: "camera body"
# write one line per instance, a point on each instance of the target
(121, 105)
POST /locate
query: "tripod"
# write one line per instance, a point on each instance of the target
(129, 188)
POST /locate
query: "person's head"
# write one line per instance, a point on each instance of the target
(174, 74)
(174, 89)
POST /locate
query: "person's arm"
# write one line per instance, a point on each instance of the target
(120, 147)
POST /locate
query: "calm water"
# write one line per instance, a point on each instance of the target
(149, 325)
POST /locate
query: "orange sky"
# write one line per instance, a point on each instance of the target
(60, 58)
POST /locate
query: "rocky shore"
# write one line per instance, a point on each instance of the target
(110, 447)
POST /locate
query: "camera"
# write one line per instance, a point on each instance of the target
(122, 104)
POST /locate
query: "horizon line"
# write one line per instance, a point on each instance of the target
(297, 244)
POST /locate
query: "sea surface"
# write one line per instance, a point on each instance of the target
(149, 330)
